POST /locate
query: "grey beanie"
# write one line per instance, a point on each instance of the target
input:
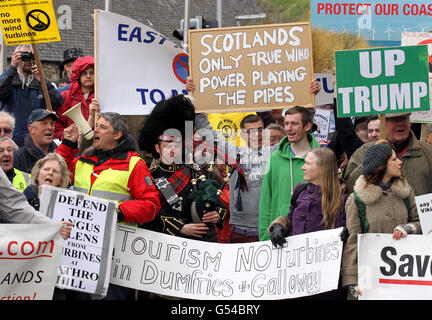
(376, 155)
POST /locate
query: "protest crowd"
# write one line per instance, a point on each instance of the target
(281, 182)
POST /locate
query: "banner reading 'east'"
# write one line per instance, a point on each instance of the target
(136, 65)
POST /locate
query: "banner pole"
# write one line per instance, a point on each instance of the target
(383, 134)
(42, 77)
(423, 132)
(96, 61)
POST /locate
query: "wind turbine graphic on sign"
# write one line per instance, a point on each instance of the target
(38, 20)
(28, 21)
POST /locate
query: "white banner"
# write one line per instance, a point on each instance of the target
(424, 209)
(326, 94)
(29, 259)
(322, 120)
(136, 65)
(420, 38)
(176, 266)
(87, 253)
(391, 269)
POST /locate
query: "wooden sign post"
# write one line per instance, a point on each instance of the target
(42, 77)
(27, 21)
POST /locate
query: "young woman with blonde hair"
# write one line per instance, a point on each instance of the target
(319, 205)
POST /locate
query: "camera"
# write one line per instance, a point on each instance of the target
(27, 56)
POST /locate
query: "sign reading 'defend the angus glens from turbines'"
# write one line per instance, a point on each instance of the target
(251, 68)
(382, 80)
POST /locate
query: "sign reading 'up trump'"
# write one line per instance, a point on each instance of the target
(251, 68)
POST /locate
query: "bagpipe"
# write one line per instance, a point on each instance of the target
(206, 186)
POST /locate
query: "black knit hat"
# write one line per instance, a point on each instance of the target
(375, 156)
(167, 114)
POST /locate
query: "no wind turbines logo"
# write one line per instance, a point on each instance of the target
(181, 67)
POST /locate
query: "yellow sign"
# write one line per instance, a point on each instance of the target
(28, 21)
(228, 124)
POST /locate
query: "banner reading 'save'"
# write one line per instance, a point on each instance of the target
(191, 269)
(251, 68)
(29, 258)
(382, 80)
(86, 256)
(391, 269)
(136, 65)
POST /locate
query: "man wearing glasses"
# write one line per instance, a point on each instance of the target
(21, 92)
(7, 124)
(18, 178)
(416, 155)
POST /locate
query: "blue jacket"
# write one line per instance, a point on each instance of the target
(20, 102)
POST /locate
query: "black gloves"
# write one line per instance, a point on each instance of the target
(344, 234)
(278, 235)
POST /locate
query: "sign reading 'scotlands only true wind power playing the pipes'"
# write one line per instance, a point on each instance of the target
(382, 80)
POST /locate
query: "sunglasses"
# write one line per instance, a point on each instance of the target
(5, 130)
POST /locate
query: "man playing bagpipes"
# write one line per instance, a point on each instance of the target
(189, 193)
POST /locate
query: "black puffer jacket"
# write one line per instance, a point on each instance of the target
(26, 156)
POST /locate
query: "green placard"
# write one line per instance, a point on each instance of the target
(382, 80)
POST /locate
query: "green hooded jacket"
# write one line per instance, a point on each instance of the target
(282, 174)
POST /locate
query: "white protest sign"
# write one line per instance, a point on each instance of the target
(191, 269)
(394, 269)
(322, 120)
(326, 94)
(86, 257)
(420, 38)
(136, 65)
(29, 259)
(424, 209)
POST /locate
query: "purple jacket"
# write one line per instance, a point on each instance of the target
(307, 216)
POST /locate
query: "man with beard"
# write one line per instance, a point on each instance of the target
(38, 142)
(21, 91)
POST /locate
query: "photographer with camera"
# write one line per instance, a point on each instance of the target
(21, 91)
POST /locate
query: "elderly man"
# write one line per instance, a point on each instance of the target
(416, 155)
(7, 124)
(38, 142)
(18, 178)
(21, 91)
